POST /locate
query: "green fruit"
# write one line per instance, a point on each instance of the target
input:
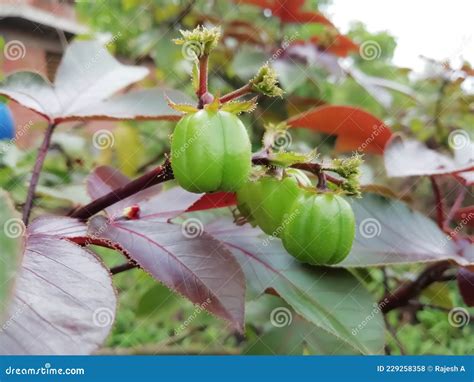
(321, 230)
(267, 200)
(210, 151)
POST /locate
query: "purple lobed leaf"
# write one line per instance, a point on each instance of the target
(192, 264)
(64, 301)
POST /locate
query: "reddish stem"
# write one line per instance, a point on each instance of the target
(203, 70)
(439, 202)
(322, 181)
(162, 174)
(456, 206)
(151, 178)
(122, 268)
(43, 150)
(412, 289)
(89, 240)
(246, 89)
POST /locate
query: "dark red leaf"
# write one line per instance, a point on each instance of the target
(389, 232)
(184, 258)
(215, 200)
(64, 301)
(59, 226)
(169, 203)
(356, 129)
(466, 285)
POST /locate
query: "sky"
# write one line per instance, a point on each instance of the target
(436, 29)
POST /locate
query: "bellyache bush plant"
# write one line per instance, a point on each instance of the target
(291, 226)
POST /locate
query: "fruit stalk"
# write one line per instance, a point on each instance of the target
(202, 88)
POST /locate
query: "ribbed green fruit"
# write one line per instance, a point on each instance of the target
(266, 201)
(322, 229)
(210, 151)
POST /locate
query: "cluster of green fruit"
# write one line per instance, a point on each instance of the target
(211, 151)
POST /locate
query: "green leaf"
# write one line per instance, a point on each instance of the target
(238, 107)
(287, 333)
(182, 107)
(157, 299)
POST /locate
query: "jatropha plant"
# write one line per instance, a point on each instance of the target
(241, 223)
(211, 151)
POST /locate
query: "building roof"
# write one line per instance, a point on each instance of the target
(21, 16)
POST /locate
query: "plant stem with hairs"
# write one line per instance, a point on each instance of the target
(43, 150)
(246, 89)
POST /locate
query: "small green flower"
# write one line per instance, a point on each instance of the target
(266, 82)
(199, 42)
(349, 168)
